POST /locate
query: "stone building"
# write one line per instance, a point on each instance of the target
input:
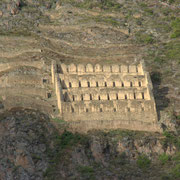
(105, 96)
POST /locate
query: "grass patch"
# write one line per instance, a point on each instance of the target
(175, 172)
(87, 172)
(159, 59)
(144, 38)
(175, 28)
(167, 53)
(173, 51)
(176, 157)
(108, 5)
(120, 134)
(170, 138)
(108, 20)
(146, 9)
(143, 162)
(164, 158)
(59, 121)
(85, 169)
(16, 33)
(60, 145)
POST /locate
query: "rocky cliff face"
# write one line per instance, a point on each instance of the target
(32, 148)
(23, 141)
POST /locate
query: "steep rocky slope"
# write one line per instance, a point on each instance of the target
(32, 148)
(35, 146)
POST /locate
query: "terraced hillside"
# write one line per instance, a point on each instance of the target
(33, 33)
(97, 31)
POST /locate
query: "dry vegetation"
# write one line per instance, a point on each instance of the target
(105, 31)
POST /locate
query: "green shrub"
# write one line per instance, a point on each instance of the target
(159, 59)
(143, 162)
(175, 28)
(164, 158)
(143, 5)
(85, 169)
(156, 77)
(89, 4)
(119, 134)
(176, 172)
(176, 33)
(172, 51)
(176, 157)
(166, 11)
(149, 11)
(144, 38)
(60, 144)
(172, 139)
(70, 139)
(59, 120)
(87, 172)
(165, 177)
(171, 1)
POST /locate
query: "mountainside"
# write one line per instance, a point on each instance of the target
(35, 145)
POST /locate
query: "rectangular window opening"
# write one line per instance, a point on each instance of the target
(131, 84)
(88, 84)
(134, 95)
(73, 98)
(114, 84)
(114, 109)
(105, 84)
(108, 97)
(79, 83)
(117, 97)
(57, 68)
(99, 97)
(128, 109)
(44, 80)
(101, 110)
(87, 110)
(49, 95)
(82, 97)
(70, 85)
(97, 85)
(122, 84)
(90, 96)
(125, 96)
(142, 95)
(139, 84)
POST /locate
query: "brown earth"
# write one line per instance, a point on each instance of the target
(33, 33)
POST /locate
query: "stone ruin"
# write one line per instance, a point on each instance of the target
(105, 96)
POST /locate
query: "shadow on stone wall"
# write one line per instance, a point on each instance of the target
(159, 93)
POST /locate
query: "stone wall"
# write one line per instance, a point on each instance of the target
(57, 86)
(89, 68)
(121, 94)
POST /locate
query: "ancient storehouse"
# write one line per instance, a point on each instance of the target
(105, 96)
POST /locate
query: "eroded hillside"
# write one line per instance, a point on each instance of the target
(33, 33)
